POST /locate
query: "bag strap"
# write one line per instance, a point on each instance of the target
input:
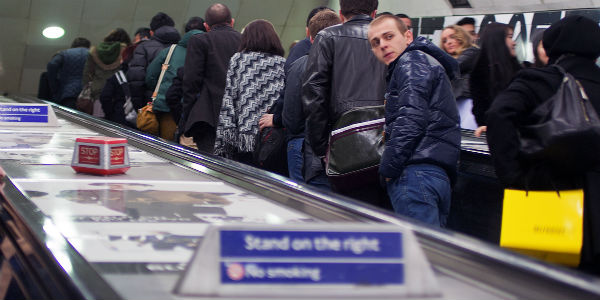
(163, 69)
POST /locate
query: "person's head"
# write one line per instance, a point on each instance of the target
(80, 42)
(497, 57)
(497, 39)
(118, 35)
(540, 58)
(312, 13)
(194, 23)
(468, 24)
(159, 20)
(260, 36)
(321, 21)
(383, 13)
(575, 35)
(351, 8)
(455, 40)
(406, 19)
(217, 14)
(143, 33)
(389, 37)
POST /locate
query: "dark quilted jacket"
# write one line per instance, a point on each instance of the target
(64, 72)
(422, 121)
(143, 55)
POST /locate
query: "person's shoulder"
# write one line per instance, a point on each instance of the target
(331, 31)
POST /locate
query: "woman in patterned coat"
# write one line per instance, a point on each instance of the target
(255, 79)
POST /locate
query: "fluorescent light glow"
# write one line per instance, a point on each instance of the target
(53, 32)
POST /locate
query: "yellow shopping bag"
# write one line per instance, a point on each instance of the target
(547, 225)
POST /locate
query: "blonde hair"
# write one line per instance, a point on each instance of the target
(461, 36)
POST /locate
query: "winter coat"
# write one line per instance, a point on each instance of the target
(342, 73)
(154, 69)
(293, 114)
(466, 63)
(255, 81)
(511, 110)
(112, 99)
(64, 73)
(421, 118)
(99, 67)
(174, 96)
(207, 60)
(299, 50)
(143, 55)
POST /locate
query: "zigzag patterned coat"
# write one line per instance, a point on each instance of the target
(254, 81)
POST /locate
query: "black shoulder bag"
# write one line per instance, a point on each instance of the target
(566, 130)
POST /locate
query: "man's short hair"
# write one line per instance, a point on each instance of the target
(194, 23)
(402, 16)
(322, 20)
(350, 8)
(144, 32)
(315, 11)
(81, 42)
(383, 13)
(159, 20)
(466, 21)
(217, 14)
(401, 26)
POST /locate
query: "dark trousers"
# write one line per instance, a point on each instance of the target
(204, 136)
(68, 102)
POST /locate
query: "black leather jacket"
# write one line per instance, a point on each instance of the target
(341, 73)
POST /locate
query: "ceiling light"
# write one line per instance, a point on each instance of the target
(53, 32)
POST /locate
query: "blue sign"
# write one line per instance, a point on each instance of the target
(311, 244)
(312, 273)
(23, 113)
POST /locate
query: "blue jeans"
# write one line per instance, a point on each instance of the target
(422, 192)
(295, 159)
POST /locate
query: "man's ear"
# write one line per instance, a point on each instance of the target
(409, 36)
(151, 33)
(206, 27)
(373, 14)
(307, 33)
(232, 22)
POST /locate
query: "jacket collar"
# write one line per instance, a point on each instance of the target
(359, 18)
(221, 27)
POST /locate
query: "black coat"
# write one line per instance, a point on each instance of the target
(466, 63)
(511, 109)
(206, 64)
(341, 73)
(143, 55)
(112, 99)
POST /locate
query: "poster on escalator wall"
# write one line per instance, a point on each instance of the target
(130, 221)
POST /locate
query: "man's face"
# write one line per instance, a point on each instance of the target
(470, 28)
(387, 42)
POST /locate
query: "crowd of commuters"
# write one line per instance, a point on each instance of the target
(222, 87)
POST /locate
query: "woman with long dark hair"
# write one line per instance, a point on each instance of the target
(255, 79)
(494, 69)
